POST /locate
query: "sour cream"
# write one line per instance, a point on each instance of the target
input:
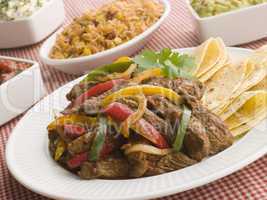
(19, 9)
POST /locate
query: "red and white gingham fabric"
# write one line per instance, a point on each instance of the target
(179, 31)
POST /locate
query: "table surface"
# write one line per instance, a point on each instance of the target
(178, 31)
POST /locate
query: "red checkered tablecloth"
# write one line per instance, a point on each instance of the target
(179, 31)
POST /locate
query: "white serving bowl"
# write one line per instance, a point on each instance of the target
(33, 29)
(82, 65)
(20, 92)
(235, 27)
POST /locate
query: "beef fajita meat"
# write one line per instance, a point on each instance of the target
(180, 85)
(81, 144)
(196, 141)
(219, 135)
(92, 105)
(164, 108)
(135, 137)
(110, 168)
(162, 126)
(142, 164)
(78, 89)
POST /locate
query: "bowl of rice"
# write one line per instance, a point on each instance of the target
(118, 28)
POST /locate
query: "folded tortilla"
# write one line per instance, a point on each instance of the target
(252, 79)
(253, 108)
(241, 130)
(252, 97)
(207, 55)
(222, 61)
(261, 85)
(221, 87)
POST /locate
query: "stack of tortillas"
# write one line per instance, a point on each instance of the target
(237, 92)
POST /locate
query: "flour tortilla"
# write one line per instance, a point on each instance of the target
(260, 56)
(254, 107)
(241, 130)
(250, 67)
(220, 88)
(207, 55)
(241, 101)
(222, 61)
(252, 80)
(261, 85)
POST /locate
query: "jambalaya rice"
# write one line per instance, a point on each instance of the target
(107, 27)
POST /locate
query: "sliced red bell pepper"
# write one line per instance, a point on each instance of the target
(77, 160)
(96, 91)
(120, 112)
(106, 149)
(73, 131)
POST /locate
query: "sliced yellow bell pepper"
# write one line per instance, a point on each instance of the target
(146, 90)
(150, 73)
(61, 146)
(123, 59)
(73, 118)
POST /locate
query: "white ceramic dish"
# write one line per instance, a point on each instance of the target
(21, 92)
(234, 27)
(29, 161)
(84, 64)
(32, 29)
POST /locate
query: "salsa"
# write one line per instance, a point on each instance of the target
(10, 68)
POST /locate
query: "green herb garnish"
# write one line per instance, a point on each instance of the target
(173, 64)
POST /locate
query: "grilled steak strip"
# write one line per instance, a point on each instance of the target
(180, 85)
(196, 142)
(219, 135)
(143, 164)
(92, 106)
(162, 126)
(110, 168)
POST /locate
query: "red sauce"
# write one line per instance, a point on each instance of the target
(10, 68)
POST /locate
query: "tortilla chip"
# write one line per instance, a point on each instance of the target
(207, 55)
(253, 108)
(241, 101)
(220, 88)
(248, 126)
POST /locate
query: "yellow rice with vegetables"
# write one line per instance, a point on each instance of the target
(107, 27)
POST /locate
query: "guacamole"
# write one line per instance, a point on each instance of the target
(206, 8)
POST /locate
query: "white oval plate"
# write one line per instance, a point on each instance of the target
(83, 64)
(29, 161)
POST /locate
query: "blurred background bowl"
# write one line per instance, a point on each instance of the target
(32, 29)
(20, 92)
(83, 64)
(234, 27)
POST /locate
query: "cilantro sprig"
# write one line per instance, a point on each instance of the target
(172, 64)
